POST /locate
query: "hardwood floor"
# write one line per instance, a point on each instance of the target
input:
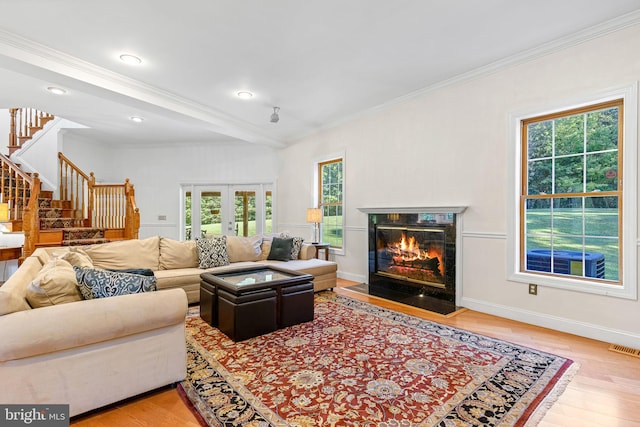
(605, 392)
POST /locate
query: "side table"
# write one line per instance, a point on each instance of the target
(8, 253)
(322, 247)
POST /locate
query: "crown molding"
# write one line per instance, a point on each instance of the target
(617, 24)
(43, 57)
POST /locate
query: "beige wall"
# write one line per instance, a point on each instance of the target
(449, 147)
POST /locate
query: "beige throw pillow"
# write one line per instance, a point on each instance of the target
(175, 254)
(55, 284)
(242, 248)
(77, 257)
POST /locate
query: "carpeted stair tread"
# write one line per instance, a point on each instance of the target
(81, 242)
(57, 223)
(44, 203)
(50, 213)
(82, 233)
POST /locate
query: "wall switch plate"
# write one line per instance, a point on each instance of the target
(533, 289)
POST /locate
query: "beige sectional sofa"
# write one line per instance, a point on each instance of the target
(90, 353)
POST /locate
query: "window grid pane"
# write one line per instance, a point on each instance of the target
(331, 197)
(565, 228)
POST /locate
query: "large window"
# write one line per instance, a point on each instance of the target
(330, 200)
(571, 193)
(576, 214)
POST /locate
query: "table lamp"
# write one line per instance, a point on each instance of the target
(314, 215)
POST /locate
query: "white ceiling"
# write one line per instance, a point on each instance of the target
(321, 62)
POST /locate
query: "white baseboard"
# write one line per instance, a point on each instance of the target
(353, 277)
(588, 330)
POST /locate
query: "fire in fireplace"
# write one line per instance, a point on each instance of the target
(411, 253)
(412, 257)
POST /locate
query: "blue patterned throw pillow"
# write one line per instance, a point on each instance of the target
(212, 252)
(95, 283)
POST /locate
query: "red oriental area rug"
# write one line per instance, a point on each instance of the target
(357, 364)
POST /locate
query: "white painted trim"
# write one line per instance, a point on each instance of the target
(484, 235)
(413, 209)
(611, 26)
(38, 55)
(584, 329)
(629, 288)
(353, 277)
(159, 225)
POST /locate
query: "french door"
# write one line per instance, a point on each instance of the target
(233, 210)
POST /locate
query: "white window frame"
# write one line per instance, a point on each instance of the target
(316, 201)
(629, 287)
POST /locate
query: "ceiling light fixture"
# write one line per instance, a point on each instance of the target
(244, 94)
(275, 117)
(130, 59)
(136, 119)
(56, 90)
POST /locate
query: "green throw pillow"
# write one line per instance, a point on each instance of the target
(281, 249)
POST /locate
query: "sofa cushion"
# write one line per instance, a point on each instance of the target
(14, 291)
(10, 303)
(315, 267)
(55, 284)
(96, 283)
(212, 252)
(76, 257)
(281, 249)
(242, 248)
(123, 254)
(176, 254)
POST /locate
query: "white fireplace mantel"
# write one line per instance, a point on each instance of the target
(413, 209)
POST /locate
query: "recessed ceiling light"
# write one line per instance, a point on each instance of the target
(136, 119)
(245, 94)
(56, 90)
(130, 59)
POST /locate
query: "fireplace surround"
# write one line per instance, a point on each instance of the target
(414, 253)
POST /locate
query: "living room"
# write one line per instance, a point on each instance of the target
(471, 168)
(451, 143)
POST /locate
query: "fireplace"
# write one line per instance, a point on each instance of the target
(413, 254)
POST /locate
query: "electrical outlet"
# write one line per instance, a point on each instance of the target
(533, 289)
(162, 217)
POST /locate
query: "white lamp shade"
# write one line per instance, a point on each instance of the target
(314, 215)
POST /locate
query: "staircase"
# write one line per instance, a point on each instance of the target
(25, 122)
(84, 213)
(59, 225)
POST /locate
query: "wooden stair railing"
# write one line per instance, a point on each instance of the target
(110, 206)
(15, 187)
(25, 122)
(31, 219)
(107, 206)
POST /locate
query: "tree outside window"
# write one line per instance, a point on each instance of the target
(571, 195)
